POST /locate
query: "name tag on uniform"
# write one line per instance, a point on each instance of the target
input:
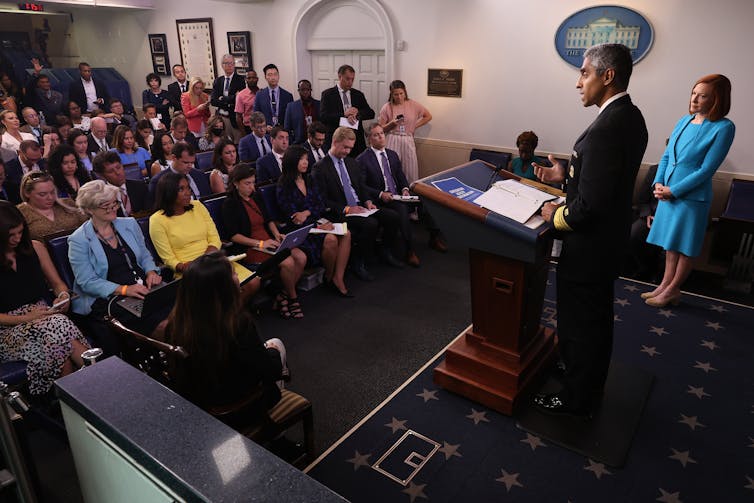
(571, 171)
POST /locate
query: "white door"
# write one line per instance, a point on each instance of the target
(370, 73)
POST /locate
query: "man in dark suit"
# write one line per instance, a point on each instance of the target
(342, 182)
(314, 145)
(385, 179)
(273, 100)
(255, 145)
(41, 96)
(342, 101)
(270, 166)
(134, 194)
(29, 159)
(99, 140)
(302, 113)
(594, 225)
(87, 92)
(185, 156)
(33, 125)
(224, 91)
(180, 133)
(180, 86)
(8, 192)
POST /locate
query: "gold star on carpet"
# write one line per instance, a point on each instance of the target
(650, 350)
(667, 497)
(396, 425)
(631, 288)
(705, 366)
(719, 309)
(709, 345)
(428, 395)
(359, 460)
(510, 480)
(478, 416)
(691, 422)
(659, 330)
(450, 450)
(622, 302)
(750, 485)
(616, 318)
(682, 457)
(597, 468)
(714, 326)
(698, 392)
(533, 441)
(415, 491)
(666, 313)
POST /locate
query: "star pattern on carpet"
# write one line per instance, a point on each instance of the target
(478, 416)
(631, 288)
(683, 457)
(718, 308)
(597, 468)
(415, 491)
(750, 485)
(668, 497)
(450, 450)
(359, 460)
(712, 345)
(650, 350)
(616, 318)
(698, 392)
(622, 302)
(667, 313)
(707, 367)
(714, 325)
(428, 395)
(659, 330)
(751, 439)
(691, 422)
(509, 479)
(533, 441)
(396, 425)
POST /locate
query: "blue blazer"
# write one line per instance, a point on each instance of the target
(294, 120)
(268, 169)
(688, 168)
(374, 179)
(89, 262)
(262, 103)
(248, 150)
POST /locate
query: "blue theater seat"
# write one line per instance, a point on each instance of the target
(214, 205)
(203, 161)
(268, 194)
(58, 248)
(498, 159)
(13, 373)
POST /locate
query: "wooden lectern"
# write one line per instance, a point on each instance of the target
(498, 359)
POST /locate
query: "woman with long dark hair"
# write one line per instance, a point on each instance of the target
(299, 198)
(124, 143)
(227, 360)
(224, 158)
(68, 173)
(80, 142)
(162, 152)
(32, 329)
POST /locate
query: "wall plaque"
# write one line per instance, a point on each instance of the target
(444, 82)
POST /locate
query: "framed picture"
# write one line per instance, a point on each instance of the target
(239, 43)
(158, 46)
(197, 43)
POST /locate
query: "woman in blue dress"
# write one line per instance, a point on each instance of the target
(683, 184)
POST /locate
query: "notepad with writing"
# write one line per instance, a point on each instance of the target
(338, 229)
(514, 200)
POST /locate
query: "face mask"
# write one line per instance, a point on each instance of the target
(217, 131)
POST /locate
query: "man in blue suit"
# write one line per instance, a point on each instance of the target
(272, 100)
(29, 159)
(185, 155)
(385, 179)
(301, 113)
(270, 166)
(255, 145)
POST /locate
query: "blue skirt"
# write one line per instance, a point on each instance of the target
(679, 225)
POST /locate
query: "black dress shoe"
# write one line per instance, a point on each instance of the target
(556, 404)
(334, 289)
(388, 258)
(362, 273)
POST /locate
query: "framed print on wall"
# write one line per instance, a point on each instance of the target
(197, 43)
(239, 46)
(158, 46)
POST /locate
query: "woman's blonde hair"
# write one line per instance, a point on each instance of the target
(192, 96)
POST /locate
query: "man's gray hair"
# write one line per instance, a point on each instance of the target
(615, 56)
(227, 56)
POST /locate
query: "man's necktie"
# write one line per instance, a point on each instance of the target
(126, 204)
(274, 104)
(351, 199)
(264, 148)
(183, 88)
(226, 89)
(390, 183)
(346, 103)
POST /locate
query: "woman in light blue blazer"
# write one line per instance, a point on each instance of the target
(683, 184)
(109, 258)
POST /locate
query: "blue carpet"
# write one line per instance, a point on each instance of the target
(695, 442)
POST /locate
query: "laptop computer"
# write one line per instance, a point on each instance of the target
(158, 297)
(292, 239)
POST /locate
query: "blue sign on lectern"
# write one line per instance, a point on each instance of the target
(599, 25)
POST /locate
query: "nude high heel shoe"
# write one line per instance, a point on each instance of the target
(654, 302)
